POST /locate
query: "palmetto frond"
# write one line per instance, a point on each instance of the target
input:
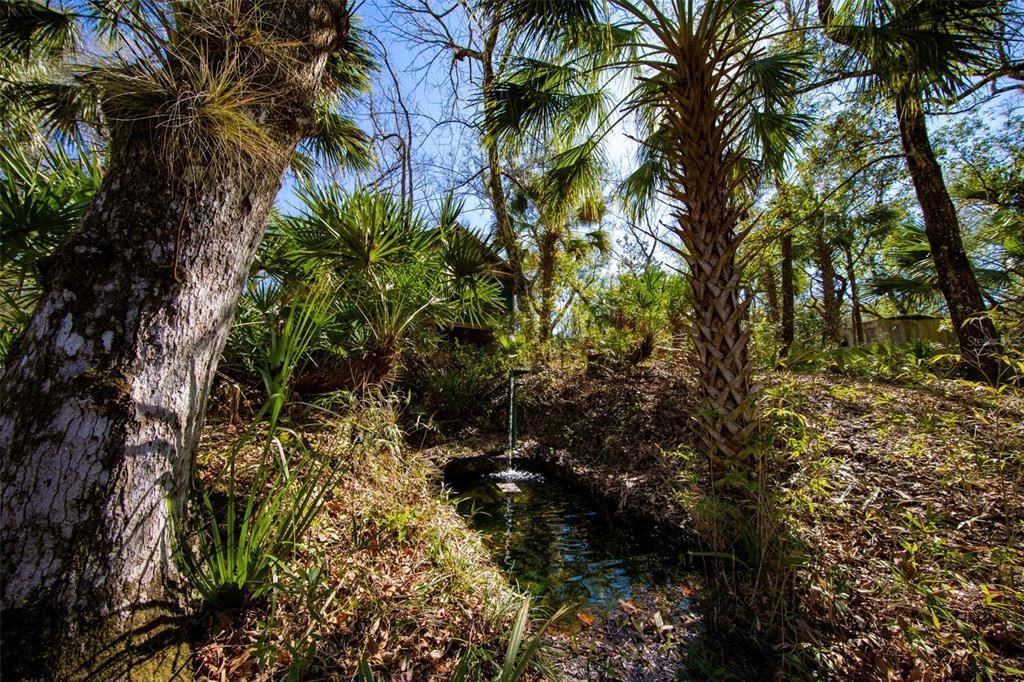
(595, 45)
(465, 254)
(595, 240)
(539, 99)
(575, 173)
(449, 212)
(350, 65)
(28, 28)
(41, 202)
(639, 190)
(543, 18)
(916, 290)
(931, 48)
(336, 142)
(360, 231)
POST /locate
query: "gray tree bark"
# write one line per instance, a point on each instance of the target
(103, 402)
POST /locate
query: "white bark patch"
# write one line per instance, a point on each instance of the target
(67, 340)
(108, 340)
(72, 345)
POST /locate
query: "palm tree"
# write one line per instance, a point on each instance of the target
(715, 107)
(918, 51)
(551, 107)
(102, 401)
(553, 225)
(390, 273)
(712, 99)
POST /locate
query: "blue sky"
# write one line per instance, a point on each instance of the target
(447, 152)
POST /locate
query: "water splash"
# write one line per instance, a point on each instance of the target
(511, 474)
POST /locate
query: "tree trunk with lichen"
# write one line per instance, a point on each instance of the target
(103, 401)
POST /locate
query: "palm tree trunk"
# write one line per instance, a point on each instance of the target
(701, 181)
(546, 272)
(706, 224)
(721, 340)
(980, 345)
(103, 401)
(495, 186)
(771, 287)
(856, 321)
(788, 295)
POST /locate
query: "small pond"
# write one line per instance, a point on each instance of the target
(558, 541)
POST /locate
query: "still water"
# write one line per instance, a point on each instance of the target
(561, 543)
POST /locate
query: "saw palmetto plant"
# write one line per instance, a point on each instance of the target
(389, 273)
(42, 201)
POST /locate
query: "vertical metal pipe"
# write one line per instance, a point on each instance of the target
(513, 422)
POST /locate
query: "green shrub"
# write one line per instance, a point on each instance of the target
(458, 381)
(904, 362)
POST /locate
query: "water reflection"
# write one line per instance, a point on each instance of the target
(558, 543)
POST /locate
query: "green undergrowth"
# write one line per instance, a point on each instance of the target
(908, 504)
(387, 580)
(884, 543)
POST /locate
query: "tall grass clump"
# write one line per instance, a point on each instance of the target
(233, 554)
(239, 541)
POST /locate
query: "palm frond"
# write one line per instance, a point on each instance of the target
(927, 47)
(349, 67)
(359, 231)
(542, 18)
(774, 134)
(29, 27)
(640, 188)
(575, 173)
(776, 75)
(338, 142)
(543, 98)
(915, 289)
